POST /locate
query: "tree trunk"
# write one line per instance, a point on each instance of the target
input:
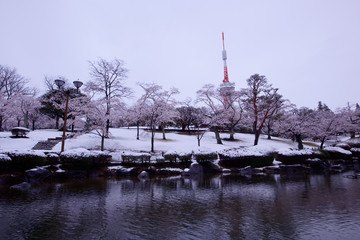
(137, 130)
(322, 142)
(33, 125)
(102, 142)
(257, 135)
(57, 123)
(18, 123)
(1, 123)
(199, 139)
(107, 128)
(269, 133)
(152, 139)
(163, 131)
(352, 135)
(26, 119)
(232, 133)
(299, 141)
(217, 135)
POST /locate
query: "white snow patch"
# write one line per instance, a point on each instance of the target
(27, 152)
(173, 169)
(4, 158)
(355, 149)
(338, 149)
(294, 152)
(77, 152)
(246, 151)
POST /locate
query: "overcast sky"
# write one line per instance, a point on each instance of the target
(309, 49)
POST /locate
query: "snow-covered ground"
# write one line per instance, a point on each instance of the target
(7, 143)
(124, 139)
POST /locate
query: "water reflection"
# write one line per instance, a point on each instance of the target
(222, 207)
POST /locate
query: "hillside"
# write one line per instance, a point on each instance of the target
(124, 139)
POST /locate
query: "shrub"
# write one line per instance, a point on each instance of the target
(185, 157)
(355, 152)
(243, 157)
(83, 159)
(336, 153)
(205, 156)
(171, 156)
(101, 158)
(22, 160)
(354, 143)
(52, 159)
(132, 157)
(295, 156)
(5, 163)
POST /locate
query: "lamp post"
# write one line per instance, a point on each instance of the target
(77, 84)
(60, 83)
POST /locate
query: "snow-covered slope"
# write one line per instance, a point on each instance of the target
(124, 139)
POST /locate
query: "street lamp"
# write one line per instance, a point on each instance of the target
(77, 84)
(60, 83)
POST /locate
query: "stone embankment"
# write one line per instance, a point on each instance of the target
(35, 167)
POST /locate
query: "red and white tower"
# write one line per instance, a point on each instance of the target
(224, 57)
(226, 88)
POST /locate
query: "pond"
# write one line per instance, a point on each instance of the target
(218, 207)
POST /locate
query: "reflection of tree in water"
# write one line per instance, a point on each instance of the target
(73, 211)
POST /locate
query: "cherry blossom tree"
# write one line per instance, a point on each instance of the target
(327, 123)
(108, 84)
(297, 124)
(221, 113)
(350, 116)
(11, 83)
(159, 108)
(21, 106)
(215, 112)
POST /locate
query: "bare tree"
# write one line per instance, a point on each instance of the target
(108, 83)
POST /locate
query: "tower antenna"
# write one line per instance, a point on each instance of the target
(224, 57)
(226, 88)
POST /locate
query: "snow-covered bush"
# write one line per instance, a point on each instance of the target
(336, 153)
(171, 156)
(5, 162)
(22, 160)
(205, 156)
(296, 156)
(343, 146)
(134, 157)
(83, 159)
(101, 158)
(247, 156)
(355, 152)
(4, 158)
(185, 157)
(52, 159)
(354, 143)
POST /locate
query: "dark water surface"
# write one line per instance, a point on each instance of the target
(222, 207)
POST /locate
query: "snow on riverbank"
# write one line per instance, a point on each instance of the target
(124, 139)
